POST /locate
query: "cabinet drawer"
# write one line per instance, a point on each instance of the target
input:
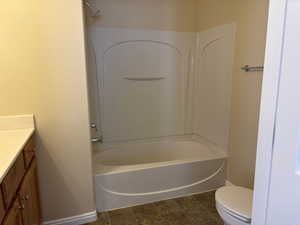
(2, 209)
(12, 180)
(14, 215)
(29, 151)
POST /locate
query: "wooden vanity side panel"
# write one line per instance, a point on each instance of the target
(29, 151)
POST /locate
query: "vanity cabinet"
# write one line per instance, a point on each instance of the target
(29, 152)
(19, 192)
(2, 209)
(14, 215)
(13, 180)
(29, 198)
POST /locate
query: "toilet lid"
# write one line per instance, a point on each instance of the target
(236, 200)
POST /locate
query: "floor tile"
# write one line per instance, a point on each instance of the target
(166, 207)
(122, 217)
(103, 219)
(147, 215)
(192, 210)
(177, 218)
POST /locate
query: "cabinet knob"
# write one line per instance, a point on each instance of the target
(25, 198)
(22, 206)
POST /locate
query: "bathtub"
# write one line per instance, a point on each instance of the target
(142, 172)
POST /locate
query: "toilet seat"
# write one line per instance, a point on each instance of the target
(233, 215)
(236, 202)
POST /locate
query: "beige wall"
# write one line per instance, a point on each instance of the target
(176, 15)
(250, 17)
(250, 49)
(18, 54)
(62, 114)
(43, 72)
(212, 13)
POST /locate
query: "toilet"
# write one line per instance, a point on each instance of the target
(234, 205)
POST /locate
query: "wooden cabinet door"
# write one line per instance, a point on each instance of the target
(29, 197)
(14, 216)
(2, 209)
(12, 180)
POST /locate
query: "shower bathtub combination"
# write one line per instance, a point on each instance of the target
(143, 172)
(163, 109)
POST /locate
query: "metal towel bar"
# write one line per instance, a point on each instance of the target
(248, 68)
(144, 78)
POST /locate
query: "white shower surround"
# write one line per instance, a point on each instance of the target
(132, 109)
(202, 84)
(213, 84)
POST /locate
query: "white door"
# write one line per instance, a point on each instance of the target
(284, 196)
(277, 202)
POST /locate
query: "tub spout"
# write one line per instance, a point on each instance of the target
(97, 139)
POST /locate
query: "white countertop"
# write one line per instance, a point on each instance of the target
(12, 142)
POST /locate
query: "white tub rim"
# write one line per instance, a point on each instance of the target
(101, 169)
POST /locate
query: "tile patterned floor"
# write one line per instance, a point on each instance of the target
(193, 210)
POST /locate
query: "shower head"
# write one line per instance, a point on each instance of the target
(94, 11)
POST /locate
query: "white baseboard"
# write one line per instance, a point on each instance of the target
(228, 183)
(74, 220)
